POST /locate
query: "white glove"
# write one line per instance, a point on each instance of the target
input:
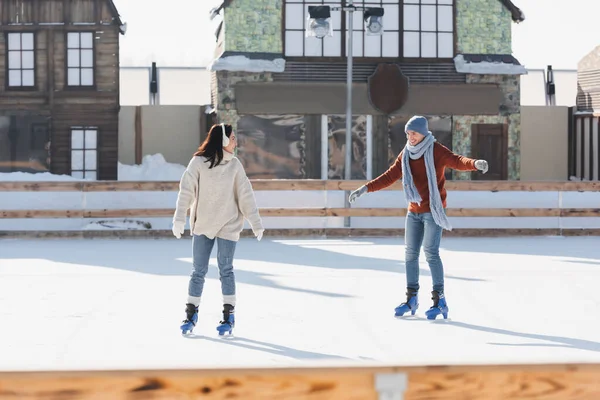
(481, 165)
(178, 228)
(259, 234)
(357, 193)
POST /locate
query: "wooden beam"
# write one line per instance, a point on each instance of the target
(138, 140)
(297, 233)
(69, 186)
(300, 184)
(51, 68)
(477, 382)
(309, 212)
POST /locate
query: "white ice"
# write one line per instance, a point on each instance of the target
(118, 304)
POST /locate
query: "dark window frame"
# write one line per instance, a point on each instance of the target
(343, 31)
(7, 68)
(80, 86)
(83, 149)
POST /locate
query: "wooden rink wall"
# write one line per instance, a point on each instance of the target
(468, 382)
(295, 208)
(437, 382)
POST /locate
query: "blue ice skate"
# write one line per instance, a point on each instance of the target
(439, 306)
(411, 304)
(188, 324)
(226, 326)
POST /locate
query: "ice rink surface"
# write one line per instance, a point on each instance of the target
(118, 304)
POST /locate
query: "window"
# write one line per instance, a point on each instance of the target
(280, 154)
(21, 60)
(80, 59)
(412, 29)
(84, 144)
(428, 29)
(24, 143)
(297, 45)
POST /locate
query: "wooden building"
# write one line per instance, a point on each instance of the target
(286, 92)
(584, 146)
(59, 87)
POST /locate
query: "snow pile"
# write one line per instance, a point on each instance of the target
(486, 67)
(245, 64)
(153, 168)
(36, 177)
(576, 179)
(123, 224)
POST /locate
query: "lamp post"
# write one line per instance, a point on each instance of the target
(319, 26)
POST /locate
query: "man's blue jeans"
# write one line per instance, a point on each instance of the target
(421, 229)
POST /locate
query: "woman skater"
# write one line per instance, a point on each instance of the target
(421, 166)
(216, 188)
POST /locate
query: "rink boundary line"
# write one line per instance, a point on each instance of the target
(291, 184)
(442, 382)
(299, 233)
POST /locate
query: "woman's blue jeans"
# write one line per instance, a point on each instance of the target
(421, 230)
(202, 247)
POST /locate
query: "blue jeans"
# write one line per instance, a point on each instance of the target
(202, 247)
(421, 229)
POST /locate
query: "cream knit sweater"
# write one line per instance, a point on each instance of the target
(220, 198)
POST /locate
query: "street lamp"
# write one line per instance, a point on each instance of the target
(319, 25)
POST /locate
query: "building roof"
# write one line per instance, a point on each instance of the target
(516, 13)
(116, 16)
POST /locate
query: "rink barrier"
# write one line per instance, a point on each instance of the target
(477, 382)
(293, 184)
(77, 211)
(295, 233)
(311, 212)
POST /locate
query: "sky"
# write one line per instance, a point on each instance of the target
(181, 33)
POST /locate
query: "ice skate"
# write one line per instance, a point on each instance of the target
(188, 324)
(228, 322)
(411, 304)
(439, 306)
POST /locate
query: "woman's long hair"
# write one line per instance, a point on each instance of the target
(212, 147)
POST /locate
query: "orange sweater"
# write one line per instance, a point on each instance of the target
(442, 157)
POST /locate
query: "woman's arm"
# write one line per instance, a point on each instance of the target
(188, 186)
(247, 201)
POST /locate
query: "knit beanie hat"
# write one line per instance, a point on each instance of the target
(418, 124)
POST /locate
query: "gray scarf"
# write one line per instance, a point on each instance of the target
(410, 191)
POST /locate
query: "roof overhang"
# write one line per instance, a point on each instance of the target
(516, 13)
(488, 64)
(117, 17)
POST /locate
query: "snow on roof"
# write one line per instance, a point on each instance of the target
(246, 64)
(491, 64)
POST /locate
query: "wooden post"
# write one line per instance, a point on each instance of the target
(138, 135)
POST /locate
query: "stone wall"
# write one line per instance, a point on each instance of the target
(225, 93)
(509, 113)
(253, 26)
(483, 27)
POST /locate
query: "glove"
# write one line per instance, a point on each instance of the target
(481, 165)
(259, 234)
(178, 228)
(357, 193)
